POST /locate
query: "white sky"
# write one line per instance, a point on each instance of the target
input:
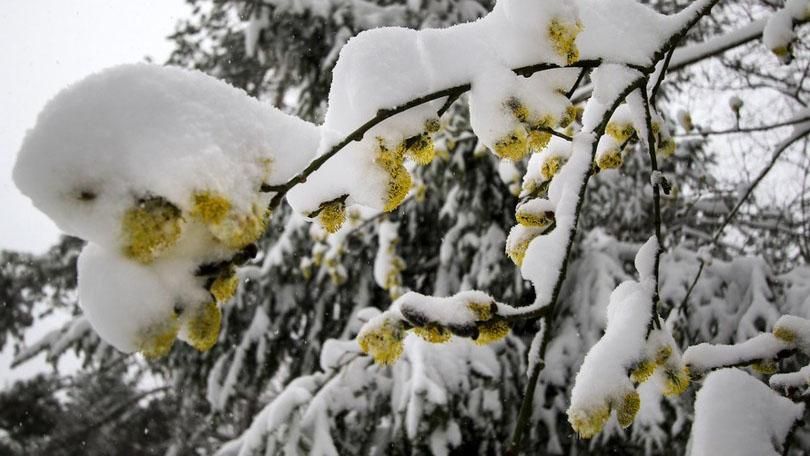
(44, 46)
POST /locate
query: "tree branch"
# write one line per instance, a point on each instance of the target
(774, 158)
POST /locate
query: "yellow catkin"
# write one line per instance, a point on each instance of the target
(628, 408)
(306, 270)
(571, 113)
(643, 371)
(399, 180)
(433, 125)
(202, 326)
(550, 167)
(383, 343)
(667, 148)
(663, 354)
(266, 165)
(239, 229)
(676, 381)
(517, 108)
(538, 139)
(481, 310)
(784, 334)
(781, 51)
(433, 333)
(621, 132)
(563, 37)
(513, 146)
(210, 207)
(656, 128)
(528, 218)
(150, 228)
(157, 341)
(491, 331)
(517, 252)
(392, 279)
(767, 367)
(332, 215)
(336, 276)
(421, 149)
(610, 159)
(588, 423)
(224, 286)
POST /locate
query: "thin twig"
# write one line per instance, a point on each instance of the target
(656, 187)
(732, 131)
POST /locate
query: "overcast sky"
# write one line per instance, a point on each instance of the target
(44, 46)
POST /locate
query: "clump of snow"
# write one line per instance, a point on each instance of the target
(705, 356)
(161, 170)
(602, 381)
(778, 33)
(737, 414)
(608, 34)
(384, 68)
(136, 132)
(132, 306)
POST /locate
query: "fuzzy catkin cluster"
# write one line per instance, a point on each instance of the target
(435, 320)
(167, 192)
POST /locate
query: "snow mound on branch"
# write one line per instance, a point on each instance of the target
(383, 69)
(131, 305)
(140, 131)
(161, 169)
(737, 414)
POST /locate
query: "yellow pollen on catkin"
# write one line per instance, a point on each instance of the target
(538, 139)
(588, 423)
(550, 167)
(563, 37)
(781, 51)
(571, 113)
(517, 252)
(767, 367)
(157, 341)
(663, 354)
(209, 207)
(676, 381)
(517, 108)
(432, 125)
(513, 146)
(621, 132)
(202, 326)
(239, 229)
(224, 287)
(784, 334)
(336, 276)
(481, 310)
(332, 215)
(643, 371)
(528, 218)
(399, 180)
(433, 333)
(610, 159)
(150, 228)
(421, 149)
(492, 330)
(667, 148)
(383, 343)
(628, 408)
